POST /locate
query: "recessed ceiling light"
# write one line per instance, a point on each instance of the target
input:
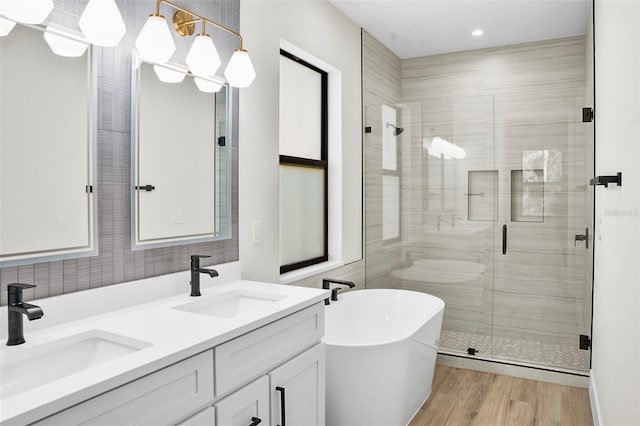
(477, 33)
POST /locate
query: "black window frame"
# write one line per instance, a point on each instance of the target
(308, 162)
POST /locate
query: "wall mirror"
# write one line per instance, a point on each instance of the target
(47, 151)
(181, 159)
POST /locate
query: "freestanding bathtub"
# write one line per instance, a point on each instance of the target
(381, 354)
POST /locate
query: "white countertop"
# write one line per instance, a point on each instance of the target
(173, 334)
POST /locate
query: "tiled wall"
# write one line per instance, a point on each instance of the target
(116, 262)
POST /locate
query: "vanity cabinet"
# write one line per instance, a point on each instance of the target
(252, 376)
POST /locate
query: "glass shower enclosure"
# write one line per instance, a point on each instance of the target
(476, 190)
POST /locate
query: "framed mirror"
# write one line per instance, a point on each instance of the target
(181, 158)
(47, 151)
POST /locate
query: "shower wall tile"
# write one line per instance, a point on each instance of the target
(116, 262)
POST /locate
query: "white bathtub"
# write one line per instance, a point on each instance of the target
(381, 354)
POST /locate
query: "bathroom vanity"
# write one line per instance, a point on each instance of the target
(243, 353)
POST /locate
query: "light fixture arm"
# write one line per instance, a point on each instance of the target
(200, 19)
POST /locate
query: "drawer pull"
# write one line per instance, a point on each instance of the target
(255, 421)
(282, 406)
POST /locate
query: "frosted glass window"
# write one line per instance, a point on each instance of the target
(389, 149)
(300, 110)
(301, 213)
(390, 207)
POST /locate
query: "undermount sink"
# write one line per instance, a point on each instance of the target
(231, 304)
(38, 365)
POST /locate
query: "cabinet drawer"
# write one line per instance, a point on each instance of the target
(161, 398)
(204, 418)
(246, 406)
(250, 355)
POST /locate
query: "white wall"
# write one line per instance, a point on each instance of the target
(616, 321)
(319, 29)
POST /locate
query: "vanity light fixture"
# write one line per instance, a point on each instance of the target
(27, 12)
(202, 59)
(155, 42)
(6, 25)
(65, 43)
(102, 23)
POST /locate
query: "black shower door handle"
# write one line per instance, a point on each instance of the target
(282, 406)
(504, 239)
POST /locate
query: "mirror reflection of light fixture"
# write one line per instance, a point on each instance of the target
(208, 85)
(6, 25)
(102, 23)
(65, 43)
(203, 59)
(441, 148)
(170, 73)
(27, 12)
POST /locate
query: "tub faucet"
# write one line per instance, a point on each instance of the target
(196, 270)
(17, 308)
(334, 292)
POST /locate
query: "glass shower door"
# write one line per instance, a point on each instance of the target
(541, 300)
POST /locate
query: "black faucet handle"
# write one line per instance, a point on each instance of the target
(18, 287)
(195, 260)
(327, 281)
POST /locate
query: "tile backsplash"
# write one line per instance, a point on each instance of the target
(116, 262)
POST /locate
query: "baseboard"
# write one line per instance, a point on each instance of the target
(524, 372)
(595, 404)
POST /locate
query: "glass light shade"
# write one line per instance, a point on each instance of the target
(27, 11)
(207, 86)
(239, 71)
(6, 25)
(155, 43)
(203, 59)
(63, 45)
(102, 23)
(169, 74)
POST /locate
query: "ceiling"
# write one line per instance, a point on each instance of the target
(414, 28)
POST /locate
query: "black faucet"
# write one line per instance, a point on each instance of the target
(196, 270)
(334, 292)
(17, 308)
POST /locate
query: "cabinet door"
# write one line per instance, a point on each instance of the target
(298, 386)
(247, 406)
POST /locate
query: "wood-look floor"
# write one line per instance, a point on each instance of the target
(466, 397)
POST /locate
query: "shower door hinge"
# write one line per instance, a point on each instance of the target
(585, 342)
(88, 189)
(587, 115)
